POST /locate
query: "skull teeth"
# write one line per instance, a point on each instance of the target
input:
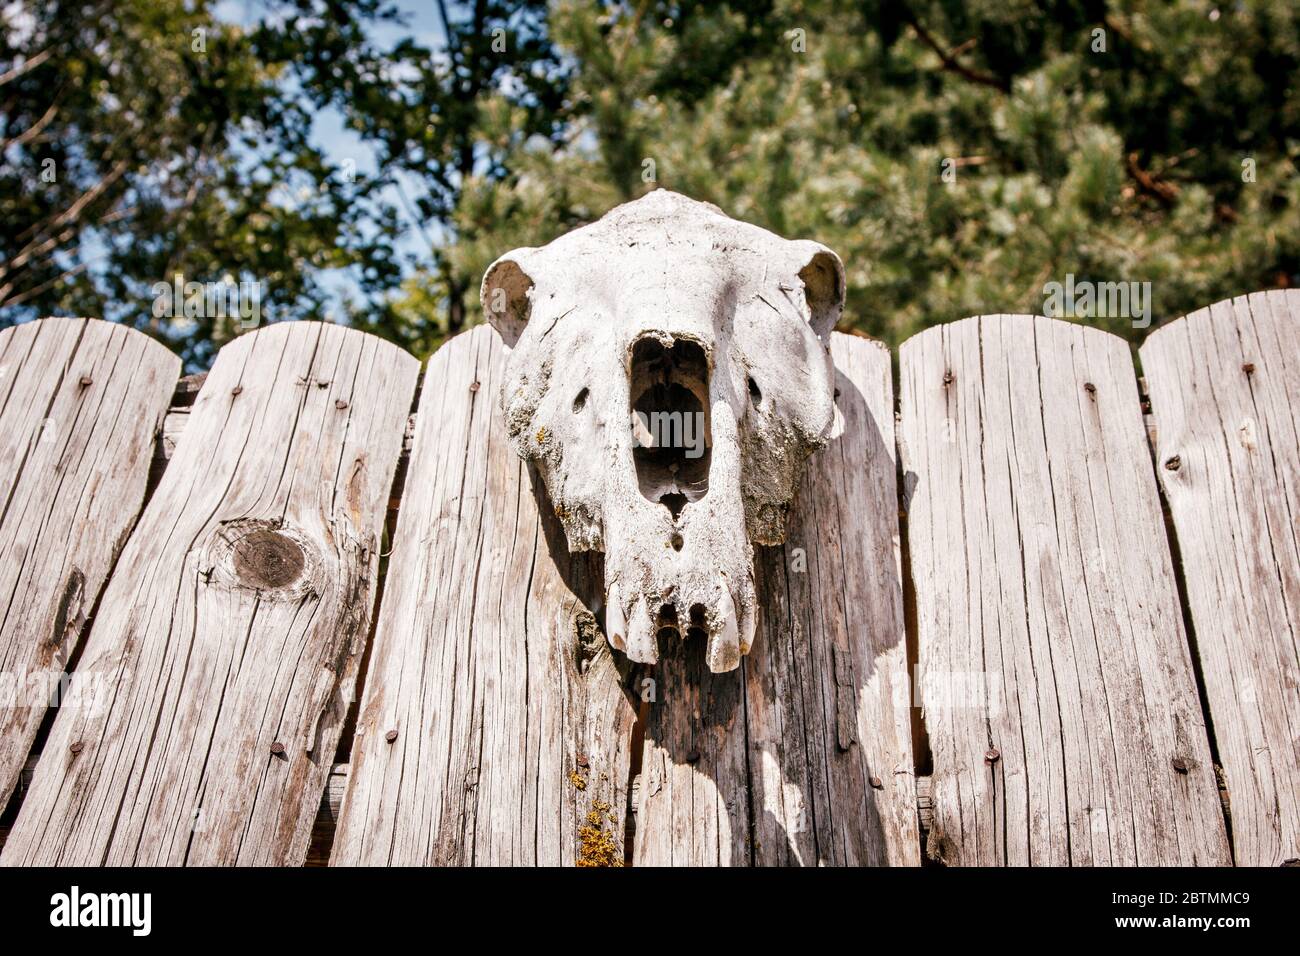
(641, 646)
(724, 643)
(634, 630)
(748, 628)
(615, 621)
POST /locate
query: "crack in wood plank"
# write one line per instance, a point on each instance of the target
(1050, 631)
(1225, 386)
(225, 694)
(80, 401)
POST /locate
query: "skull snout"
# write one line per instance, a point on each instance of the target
(678, 561)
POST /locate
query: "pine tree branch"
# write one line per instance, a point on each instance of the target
(36, 247)
(22, 297)
(1166, 192)
(949, 58)
(31, 63)
(25, 137)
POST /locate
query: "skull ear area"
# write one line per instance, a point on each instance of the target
(823, 287)
(506, 295)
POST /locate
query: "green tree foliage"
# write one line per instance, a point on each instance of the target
(439, 119)
(1111, 141)
(958, 155)
(141, 139)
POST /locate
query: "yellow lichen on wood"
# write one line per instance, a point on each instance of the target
(596, 847)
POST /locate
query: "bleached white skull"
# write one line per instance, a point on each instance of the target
(670, 374)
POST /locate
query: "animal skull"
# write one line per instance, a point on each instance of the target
(669, 375)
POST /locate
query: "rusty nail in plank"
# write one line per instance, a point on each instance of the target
(76, 747)
(1174, 463)
(876, 783)
(390, 736)
(1090, 388)
(948, 377)
(85, 380)
(1248, 368)
(992, 754)
(582, 761)
(1180, 764)
(277, 748)
(693, 756)
(473, 386)
(340, 404)
(236, 390)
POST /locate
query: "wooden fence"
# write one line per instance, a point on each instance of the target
(290, 616)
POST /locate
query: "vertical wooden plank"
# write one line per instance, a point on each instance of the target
(230, 633)
(1225, 392)
(1055, 677)
(80, 403)
(803, 756)
(493, 722)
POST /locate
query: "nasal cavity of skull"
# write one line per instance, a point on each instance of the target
(696, 627)
(670, 623)
(672, 437)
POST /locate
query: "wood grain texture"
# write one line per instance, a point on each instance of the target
(494, 720)
(803, 756)
(1048, 619)
(1225, 392)
(230, 634)
(80, 402)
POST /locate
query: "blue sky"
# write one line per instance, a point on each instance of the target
(420, 20)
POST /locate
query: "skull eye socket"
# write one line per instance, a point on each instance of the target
(755, 393)
(580, 401)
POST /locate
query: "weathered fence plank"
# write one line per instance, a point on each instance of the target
(804, 754)
(1055, 678)
(80, 402)
(493, 721)
(1225, 392)
(230, 633)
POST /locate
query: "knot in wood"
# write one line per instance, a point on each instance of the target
(266, 560)
(279, 562)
